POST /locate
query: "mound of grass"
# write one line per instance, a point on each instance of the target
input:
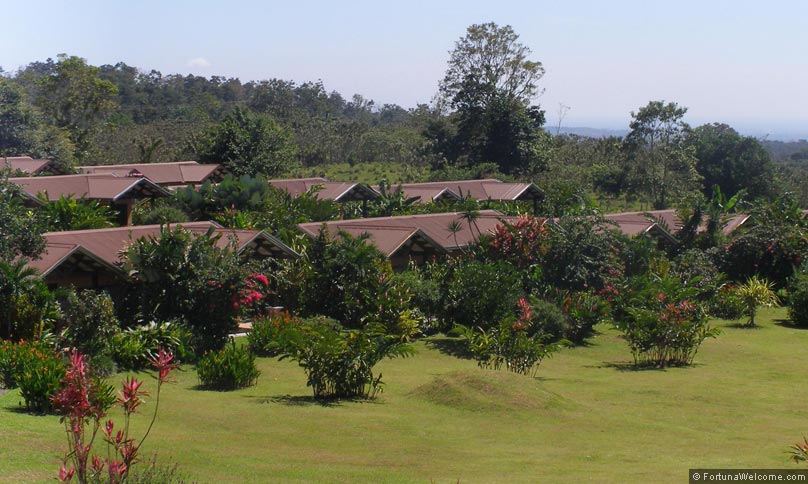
(487, 391)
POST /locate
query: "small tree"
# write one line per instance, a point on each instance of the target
(754, 293)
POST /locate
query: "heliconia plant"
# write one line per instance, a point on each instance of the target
(83, 402)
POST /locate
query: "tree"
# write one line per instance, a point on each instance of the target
(490, 62)
(249, 144)
(489, 85)
(732, 162)
(19, 227)
(664, 167)
(16, 120)
(76, 98)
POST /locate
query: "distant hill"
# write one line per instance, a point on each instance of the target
(588, 132)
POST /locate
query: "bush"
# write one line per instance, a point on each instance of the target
(230, 368)
(133, 348)
(663, 325)
(262, 340)
(182, 276)
(479, 293)
(726, 304)
(548, 320)
(798, 299)
(88, 322)
(339, 364)
(38, 372)
(509, 344)
(756, 292)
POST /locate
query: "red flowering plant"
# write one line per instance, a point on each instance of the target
(521, 243)
(83, 403)
(251, 299)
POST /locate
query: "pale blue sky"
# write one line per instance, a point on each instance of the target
(740, 62)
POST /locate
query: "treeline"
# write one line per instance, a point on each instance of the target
(482, 124)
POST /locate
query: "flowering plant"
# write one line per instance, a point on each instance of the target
(83, 403)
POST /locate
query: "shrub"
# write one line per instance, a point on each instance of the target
(478, 293)
(726, 304)
(663, 325)
(88, 322)
(133, 348)
(582, 310)
(798, 299)
(548, 320)
(69, 213)
(38, 372)
(339, 364)
(262, 340)
(756, 292)
(509, 344)
(27, 307)
(187, 277)
(230, 368)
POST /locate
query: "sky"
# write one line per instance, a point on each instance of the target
(744, 63)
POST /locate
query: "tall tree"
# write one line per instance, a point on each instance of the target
(664, 166)
(490, 62)
(489, 85)
(76, 98)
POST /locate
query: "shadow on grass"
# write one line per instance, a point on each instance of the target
(787, 323)
(456, 347)
(308, 400)
(629, 366)
(743, 326)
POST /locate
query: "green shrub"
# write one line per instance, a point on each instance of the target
(88, 322)
(548, 320)
(478, 293)
(583, 310)
(132, 349)
(512, 344)
(39, 374)
(726, 304)
(339, 364)
(756, 292)
(662, 323)
(262, 339)
(230, 368)
(798, 299)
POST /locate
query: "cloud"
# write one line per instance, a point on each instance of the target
(199, 62)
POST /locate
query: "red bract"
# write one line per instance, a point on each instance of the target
(129, 395)
(66, 475)
(163, 362)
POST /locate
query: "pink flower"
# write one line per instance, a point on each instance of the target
(66, 475)
(163, 362)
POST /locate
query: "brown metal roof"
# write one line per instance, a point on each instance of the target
(669, 219)
(487, 189)
(389, 233)
(336, 191)
(179, 173)
(25, 164)
(107, 244)
(104, 187)
(424, 194)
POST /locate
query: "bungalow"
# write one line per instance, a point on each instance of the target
(29, 166)
(92, 258)
(177, 174)
(120, 193)
(327, 190)
(415, 237)
(666, 221)
(487, 189)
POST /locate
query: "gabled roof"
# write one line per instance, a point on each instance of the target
(107, 244)
(389, 233)
(336, 191)
(69, 256)
(425, 194)
(179, 173)
(27, 165)
(486, 189)
(105, 187)
(670, 220)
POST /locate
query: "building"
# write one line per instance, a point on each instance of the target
(170, 175)
(487, 189)
(28, 166)
(120, 193)
(92, 258)
(327, 190)
(415, 238)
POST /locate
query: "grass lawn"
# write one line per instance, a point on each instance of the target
(587, 417)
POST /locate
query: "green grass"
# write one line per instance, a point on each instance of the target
(587, 417)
